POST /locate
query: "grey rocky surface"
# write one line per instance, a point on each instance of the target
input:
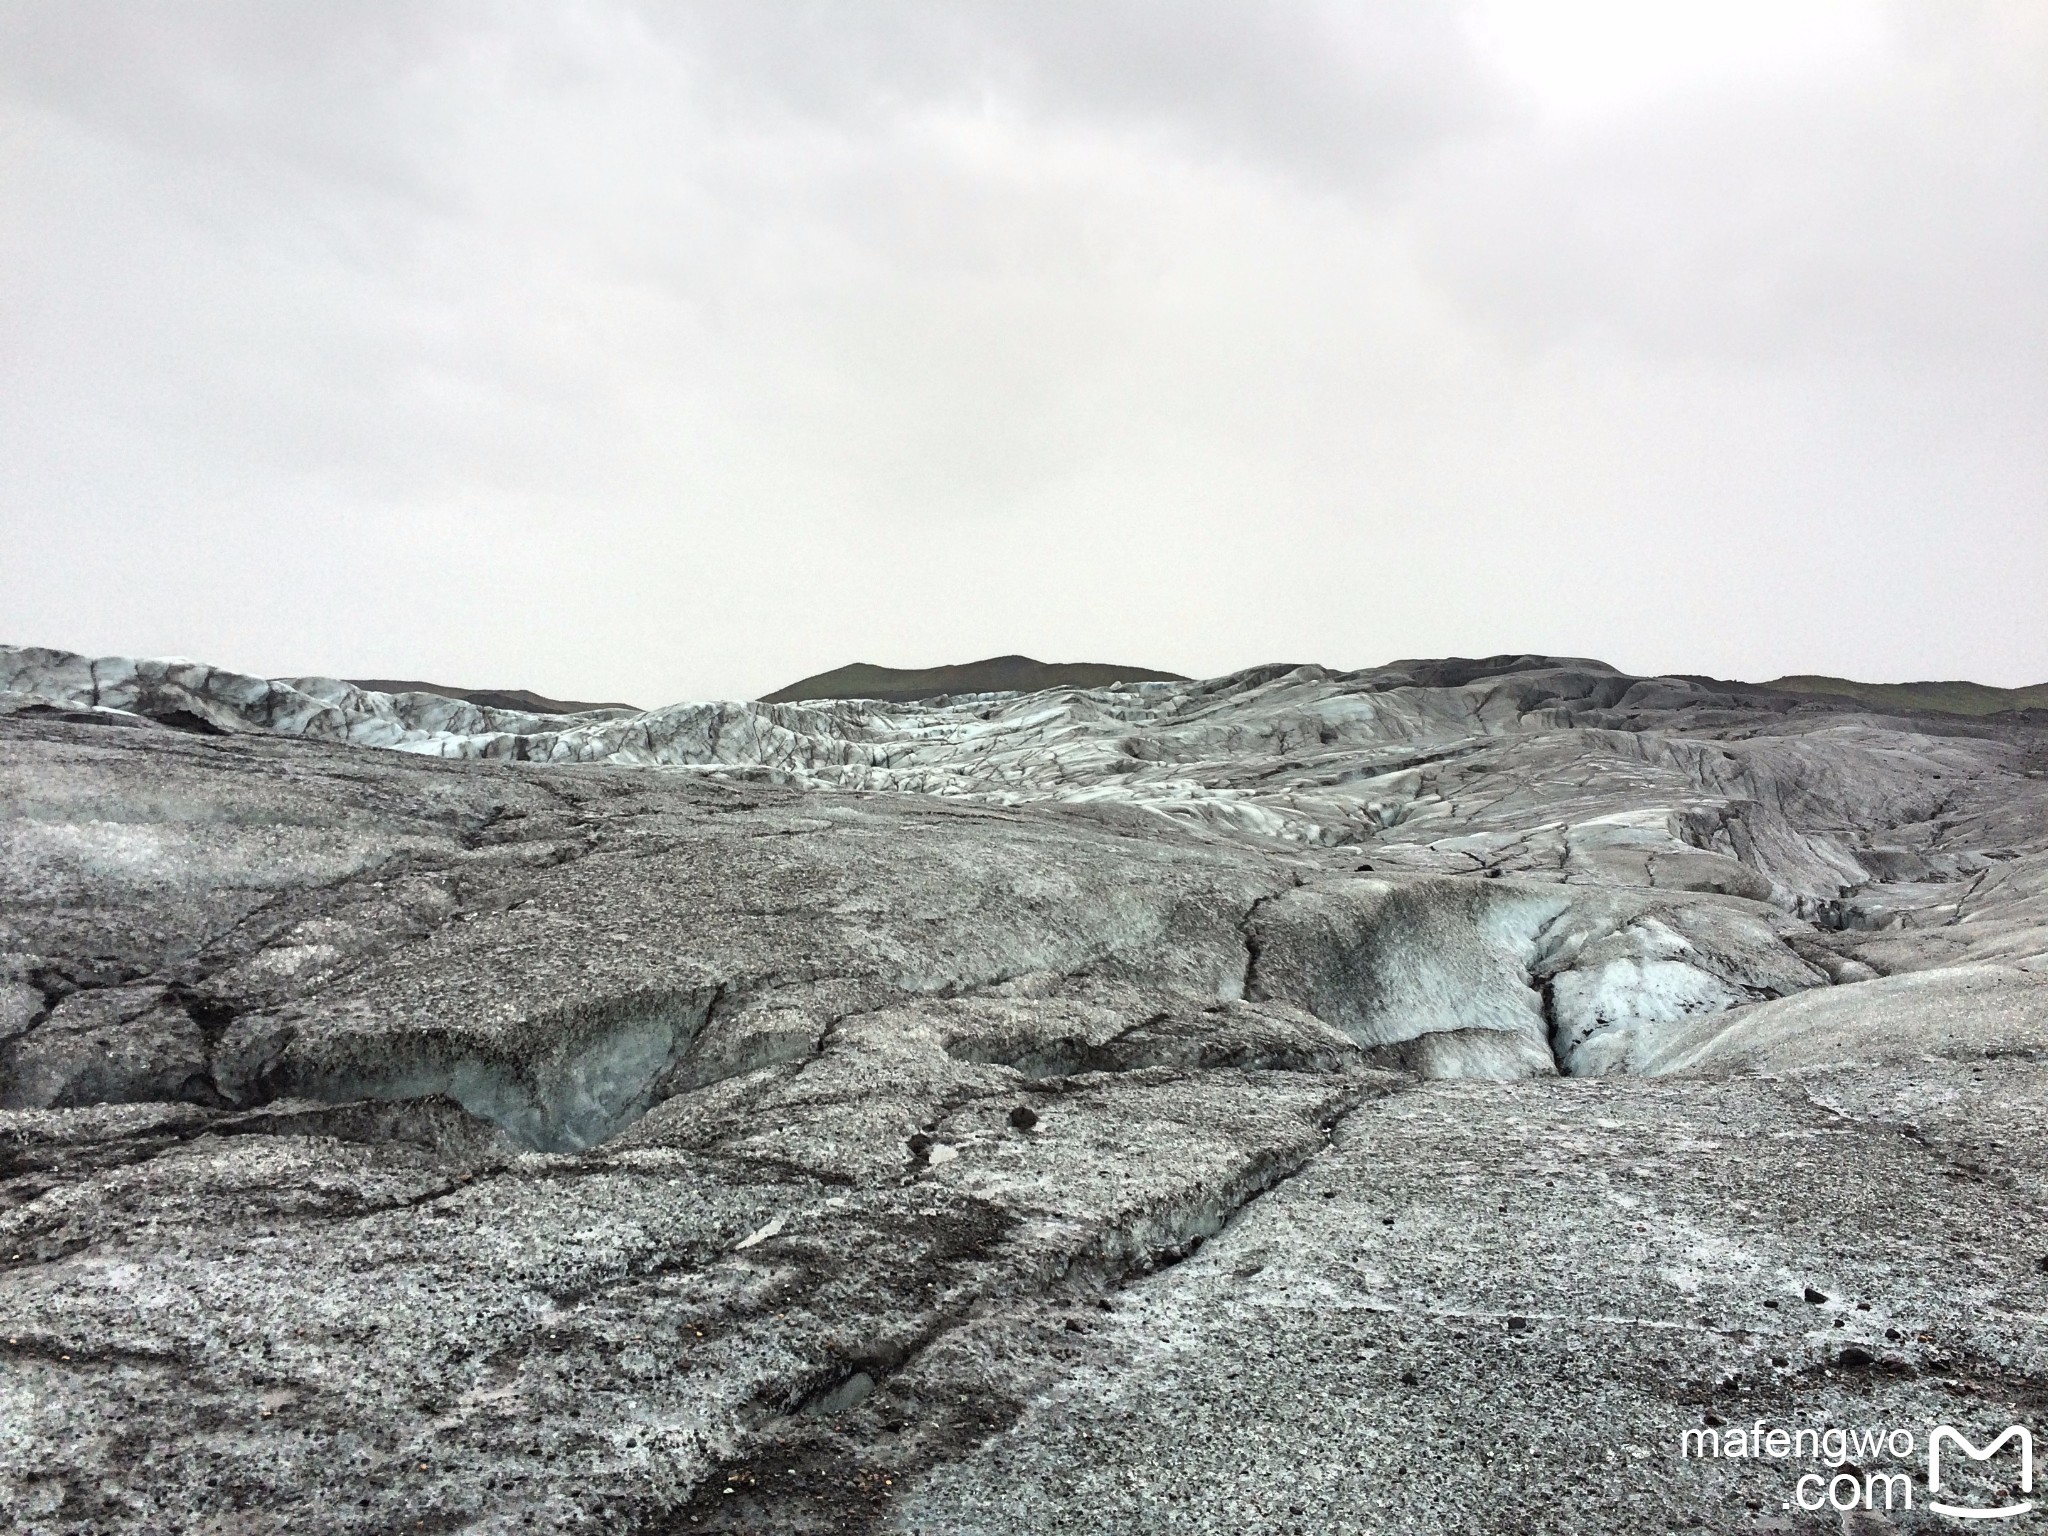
(1400, 1101)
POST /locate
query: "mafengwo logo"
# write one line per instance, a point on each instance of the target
(1950, 1454)
(1942, 1436)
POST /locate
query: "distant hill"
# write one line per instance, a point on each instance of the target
(999, 674)
(489, 698)
(1939, 698)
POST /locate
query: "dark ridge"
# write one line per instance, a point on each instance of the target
(77, 716)
(1950, 698)
(490, 698)
(1457, 671)
(999, 674)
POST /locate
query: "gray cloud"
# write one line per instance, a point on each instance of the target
(658, 350)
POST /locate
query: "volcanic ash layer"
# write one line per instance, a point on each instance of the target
(1299, 1101)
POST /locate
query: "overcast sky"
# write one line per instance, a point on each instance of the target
(656, 351)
